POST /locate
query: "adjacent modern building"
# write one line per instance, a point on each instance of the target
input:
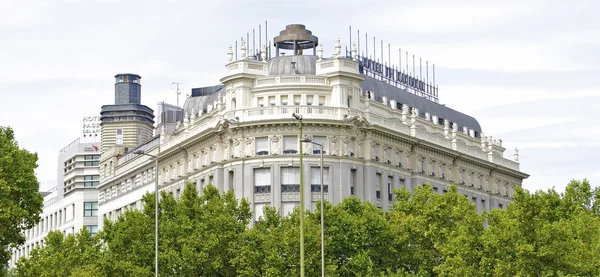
(381, 130)
(73, 203)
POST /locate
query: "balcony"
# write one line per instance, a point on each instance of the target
(278, 81)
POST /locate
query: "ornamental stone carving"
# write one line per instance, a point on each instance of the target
(333, 145)
(307, 147)
(237, 147)
(213, 151)
(249, 147)
(275, 144)
(226, 150)
(346, 146)
(359, 147)
(205, 157)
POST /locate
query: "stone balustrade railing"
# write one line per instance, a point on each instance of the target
(297, 79)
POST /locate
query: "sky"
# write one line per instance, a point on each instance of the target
(525, 70)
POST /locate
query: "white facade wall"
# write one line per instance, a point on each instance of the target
(371, 147)
(64, 207)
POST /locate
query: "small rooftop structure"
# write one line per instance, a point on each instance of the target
(295, 37)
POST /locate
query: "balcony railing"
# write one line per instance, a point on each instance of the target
(295, 79)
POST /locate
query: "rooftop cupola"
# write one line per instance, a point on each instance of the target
(297, 38)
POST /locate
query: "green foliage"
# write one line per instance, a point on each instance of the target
(64, 256)
(435, 234)
(423, 234)
(544, 234)
(20, 203)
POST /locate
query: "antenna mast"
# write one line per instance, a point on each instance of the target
(178, 92)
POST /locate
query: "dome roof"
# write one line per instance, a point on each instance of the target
(199, 101)
(282, 65)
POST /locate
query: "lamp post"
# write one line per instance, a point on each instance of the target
(322, 208)
(299, 118)
(141, 152)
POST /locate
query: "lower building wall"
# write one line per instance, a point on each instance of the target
(367, 180)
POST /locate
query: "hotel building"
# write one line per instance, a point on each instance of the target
(379, 134)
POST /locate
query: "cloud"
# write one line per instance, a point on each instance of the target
(524, 69)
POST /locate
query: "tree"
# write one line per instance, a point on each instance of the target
(435, 234)
(74, 255)
(21, 203)
(198, 235)
(544, 234)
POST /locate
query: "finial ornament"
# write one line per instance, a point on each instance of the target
(243, 49)
(163, 136)
(320, 51)
(516, 155)
(337, 48)
(230, 54)
(263, 53)
(354, 50)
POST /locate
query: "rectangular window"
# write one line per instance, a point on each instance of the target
(376, 152)
(231, 177)
(90, 208)
(348, 101)
(91, 163)
(378, 188)
(119, 136)
(91, 183)
(91, 177)
(422, 167)
(390, 189)
(93, 229)
(262, 146)
(91, 157)
(352, 180)
(262, 180)
(290, 179)
(290, 145)
(315, 179)
(320, 140)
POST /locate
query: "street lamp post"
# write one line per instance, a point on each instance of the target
(299, 118)
(322, 207)
(141, 152)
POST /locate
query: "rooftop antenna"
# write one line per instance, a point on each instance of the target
(366, 45)
(427, 72)
(350, 39)
(381, 51)
(267, 40)
(178, 92)
(374, 49)
(358, 35)
(259, 40)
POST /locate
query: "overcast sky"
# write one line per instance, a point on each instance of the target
(526, 70)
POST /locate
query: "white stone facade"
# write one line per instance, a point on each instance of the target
(245, 140)
(73, 203)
